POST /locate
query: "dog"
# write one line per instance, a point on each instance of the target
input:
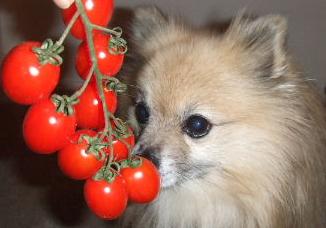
(236, 131)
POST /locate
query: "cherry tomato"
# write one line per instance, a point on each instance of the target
(143, 182)
(24, 79)
(99, 12)
(76, 161)
(45, 130)
(106, 200)
(89, 110)
(120, 149)
(109, 64)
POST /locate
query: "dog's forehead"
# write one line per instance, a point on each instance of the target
(193, 76)
(177, 80)
(199, 76)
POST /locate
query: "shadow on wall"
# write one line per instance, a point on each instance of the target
(36, 194)
(27, 20)
(32, 19)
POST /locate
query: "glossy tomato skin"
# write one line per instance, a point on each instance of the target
(109, 64)
(89, 110)
(120, 150)
(99, 12)
(45, 131)
(75, 162)
(24, 79)
(143, 182)
(106, 200)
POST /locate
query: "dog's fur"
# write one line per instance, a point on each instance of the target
(263, 162)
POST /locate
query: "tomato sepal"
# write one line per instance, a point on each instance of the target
(95, 146)
(49, 52)
(64, 104)
(133, 162)
(108, 172)
(115, 85)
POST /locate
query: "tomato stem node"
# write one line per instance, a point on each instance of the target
(64, 104)
(115, 85)
(117, 46)
(49, 52)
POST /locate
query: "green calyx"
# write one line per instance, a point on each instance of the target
(133, 162)
(96, 146)
(64, 104)
(49, 52)
(108, 173)
(117, 45)
(115, 85)
(121, 129)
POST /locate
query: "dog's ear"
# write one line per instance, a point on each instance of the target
(147, 21)
(265, 39)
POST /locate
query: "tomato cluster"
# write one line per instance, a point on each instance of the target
(92, 144)
(108, 198)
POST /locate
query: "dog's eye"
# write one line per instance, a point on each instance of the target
(142, 113)
(196, 126)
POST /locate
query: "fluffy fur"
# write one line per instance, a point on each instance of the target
(263, 162)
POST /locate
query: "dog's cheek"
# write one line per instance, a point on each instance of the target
(205, 150)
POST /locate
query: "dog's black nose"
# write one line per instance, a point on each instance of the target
(150, 153)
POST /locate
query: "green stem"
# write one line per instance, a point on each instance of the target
(68, 28)
(98, 75)
(85, 84)
(107, 30)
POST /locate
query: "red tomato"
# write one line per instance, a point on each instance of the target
(89, 110)
(120, 150)
(109, 64)
(106, 200)
(75, 162)
(143, 182)
(24, 79)
(99, 12)
(45, 130)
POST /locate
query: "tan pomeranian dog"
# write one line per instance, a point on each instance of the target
(237, 133)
